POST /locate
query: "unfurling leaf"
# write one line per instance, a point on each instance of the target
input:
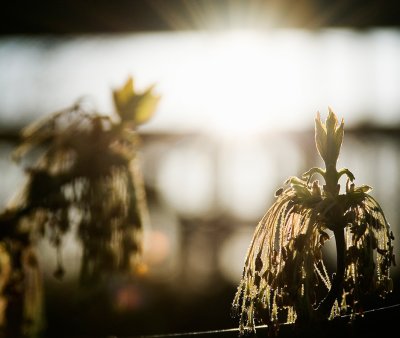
(133, 106)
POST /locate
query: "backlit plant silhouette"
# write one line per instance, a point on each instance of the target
(284, 268)
(85, 179)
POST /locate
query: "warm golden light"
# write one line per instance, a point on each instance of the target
(230, 83)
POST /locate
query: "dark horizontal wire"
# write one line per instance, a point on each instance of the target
(375, 310)
(237, 329)
(190, 333)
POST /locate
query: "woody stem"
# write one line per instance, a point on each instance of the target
(331, 180)
(326, 304)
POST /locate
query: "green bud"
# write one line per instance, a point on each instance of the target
(329, 138)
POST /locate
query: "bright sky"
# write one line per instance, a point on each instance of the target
(233, 82)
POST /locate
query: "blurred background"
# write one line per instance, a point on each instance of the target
(241, 82)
